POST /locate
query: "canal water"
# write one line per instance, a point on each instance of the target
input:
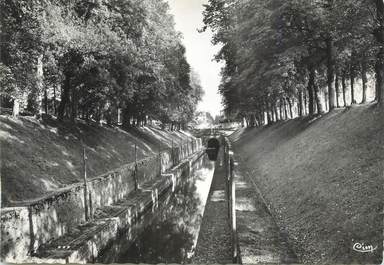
(167, 233)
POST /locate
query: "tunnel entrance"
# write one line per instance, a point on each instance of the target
(213, 147)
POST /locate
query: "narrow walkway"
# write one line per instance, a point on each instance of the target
(260, 239)
(214, 242)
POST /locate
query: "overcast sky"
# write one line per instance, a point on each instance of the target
(200, 51)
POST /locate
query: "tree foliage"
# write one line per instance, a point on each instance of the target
(91, 59)
(283, 52)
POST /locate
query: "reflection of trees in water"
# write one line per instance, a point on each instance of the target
(164, 242)
(171, 235)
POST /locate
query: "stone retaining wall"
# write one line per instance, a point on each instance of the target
(24, 229)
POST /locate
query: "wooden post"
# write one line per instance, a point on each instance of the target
(90, 207)
(85, 185)
(160, 161)
(135, 154)
(135, 170)
(172, 155)
(181, 150)
(233, 211)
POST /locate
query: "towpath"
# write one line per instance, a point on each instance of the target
(214, 242)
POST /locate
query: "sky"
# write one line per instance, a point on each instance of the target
(199, 50)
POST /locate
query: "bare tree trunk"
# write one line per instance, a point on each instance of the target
(40, 84)
(310, 87)
(300, 104)
(330, 72)
(16, 107)
(74, 104)
(281, 110)
(344, 85)
(364, 80)
(337, 87)
(277, 115)
(54, 100)
(64, 97)
(353, 101)
(45, 101)
(268, 113)
(305, 103)
(318, 102)
(326, 97)
(290, 107)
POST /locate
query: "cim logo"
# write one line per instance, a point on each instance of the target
(363, 248)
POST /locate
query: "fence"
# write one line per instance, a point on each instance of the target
(231, 188)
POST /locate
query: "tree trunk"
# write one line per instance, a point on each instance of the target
(54, 100)
(318, 102)
(337, 87)
(276, 112)
(290, 107)
(379, 69)
(310, 87)
(344, 85)
(330, 72)
(126, 118)
(64, 97)
(364, 81)
(305, 103)
(16, 107)
(45, 101)
(40, 84)
(285, 109)
(269, 119)
(74, 104)
(300, 105)
(353, 101)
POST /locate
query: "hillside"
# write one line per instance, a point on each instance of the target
(323, 179)
(38, 157)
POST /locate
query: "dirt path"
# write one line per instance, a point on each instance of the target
(214, 242)
(260, 238)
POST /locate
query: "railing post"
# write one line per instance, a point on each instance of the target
(135, 171)
(172, 155)
(160, 168)
(85, 185)
(233, 211)
(182, 150)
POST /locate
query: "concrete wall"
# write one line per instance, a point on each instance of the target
(24, 229)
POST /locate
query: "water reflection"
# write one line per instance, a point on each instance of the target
(169, 235)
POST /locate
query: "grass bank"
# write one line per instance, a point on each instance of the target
(39, 157)
(323, 178)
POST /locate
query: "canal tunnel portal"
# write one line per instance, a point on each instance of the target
(213, 146)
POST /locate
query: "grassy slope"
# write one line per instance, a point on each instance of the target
(323, 179)
(39, 157)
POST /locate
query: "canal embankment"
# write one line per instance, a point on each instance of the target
(72, 223)
(322, 180)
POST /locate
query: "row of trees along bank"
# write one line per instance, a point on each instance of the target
(93, 59)
(284, 53)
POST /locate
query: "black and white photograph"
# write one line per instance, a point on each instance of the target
(192, 131)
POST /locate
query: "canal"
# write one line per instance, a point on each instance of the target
(167, 232)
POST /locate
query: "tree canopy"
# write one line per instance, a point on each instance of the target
(95, 59)
(279, 53)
